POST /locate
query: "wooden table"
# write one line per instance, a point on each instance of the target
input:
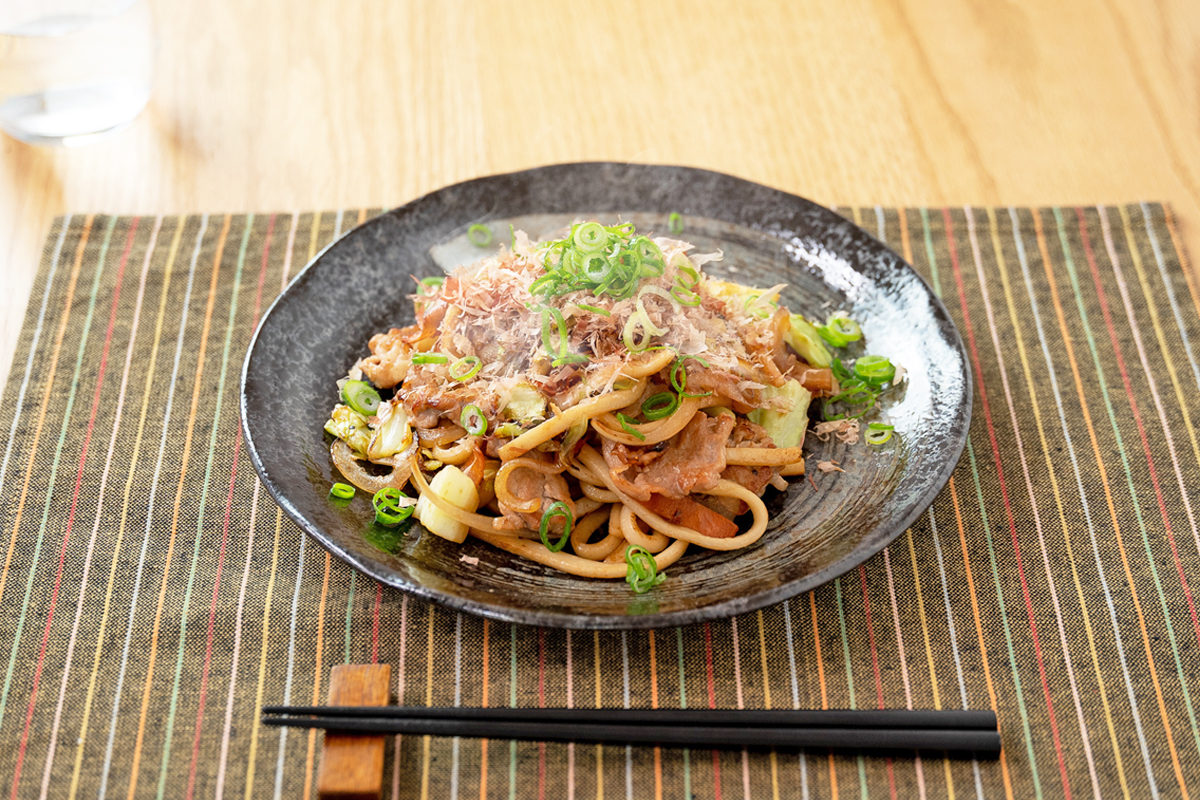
(275, 105)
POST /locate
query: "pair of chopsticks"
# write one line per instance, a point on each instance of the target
(950, 731)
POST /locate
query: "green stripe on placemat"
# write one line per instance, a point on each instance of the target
(152, 597)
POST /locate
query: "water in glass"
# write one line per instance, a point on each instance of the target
(73, 71)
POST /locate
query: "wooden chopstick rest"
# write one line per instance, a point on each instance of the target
(352, 764)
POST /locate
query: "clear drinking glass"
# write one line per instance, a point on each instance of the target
(73, 71)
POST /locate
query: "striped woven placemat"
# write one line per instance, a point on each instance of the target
(152, 597)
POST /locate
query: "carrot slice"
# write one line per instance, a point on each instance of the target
(689, 514)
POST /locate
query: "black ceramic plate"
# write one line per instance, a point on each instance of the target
(320, 325)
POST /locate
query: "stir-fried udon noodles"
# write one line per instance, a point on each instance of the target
(595, 404)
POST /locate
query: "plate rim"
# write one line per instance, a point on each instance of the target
(551, 619)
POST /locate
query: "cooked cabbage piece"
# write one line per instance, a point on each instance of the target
(785, 428)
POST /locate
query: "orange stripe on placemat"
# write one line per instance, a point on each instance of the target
(212, 612)
(316, 692)
(1164, 348)
(862, 576)
(1137, 417)
(187, 450)
(68, 660)
(983, 657)
(251, 756)
(251, 525)
(1112, 511)
(766, 678)
(658, 776)
(316, 695)
(1031, 386)
(483, 745)
(1033, 504)
(83, 454)
(987, 416)
(125, 503)
(812, 603)
(46, 395)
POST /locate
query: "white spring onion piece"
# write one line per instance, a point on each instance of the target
(650, 327)
(453, 486)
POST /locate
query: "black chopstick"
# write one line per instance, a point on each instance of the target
(726, 718)
(949, 740)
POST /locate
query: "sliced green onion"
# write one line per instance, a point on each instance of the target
(388, 510)
(548, 313)
(632, 326)
(604, 260)
(855, 395)
(569, 358)
(361, 397)
(473, 420)
(845, 327)
(831, 337)
(879, 426)
(874, 369)
(830, 417)
(430, 358)
(642, 571)
(840, 330)
(751, 306)
(594, 266)
(594, 310)
(648, 256)
(480, 235)
(465, 368)
(679, 375)
(342, 491)
(685, 296)
(651, 268)
(541, 283)
(840, 371)
(877, 437)
(689, 271)
(627, 423)
(660, 405)
(675, 222)
(557, 509)
(590, 237)
(432, 284)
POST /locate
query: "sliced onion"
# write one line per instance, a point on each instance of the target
(354, 471)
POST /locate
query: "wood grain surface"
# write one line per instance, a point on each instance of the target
(352, 764)
(281, 105)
